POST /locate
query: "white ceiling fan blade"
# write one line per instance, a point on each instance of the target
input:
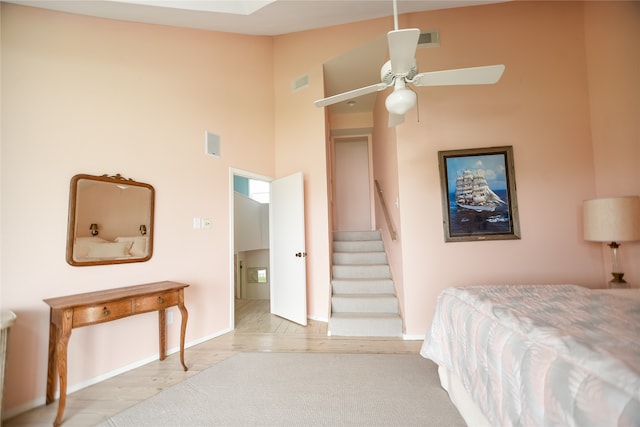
(350, 94)
(395, 119)
(402, 49)
(486, 75)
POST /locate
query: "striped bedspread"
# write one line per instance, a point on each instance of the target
(541, 355)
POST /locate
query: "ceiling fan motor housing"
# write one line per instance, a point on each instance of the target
(388, 76)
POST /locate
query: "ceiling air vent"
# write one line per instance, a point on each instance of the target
(299, 82)
(429, 39)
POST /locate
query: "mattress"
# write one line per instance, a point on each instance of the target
(541, 355)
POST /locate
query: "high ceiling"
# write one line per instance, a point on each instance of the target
(256, 17)
(270, 17)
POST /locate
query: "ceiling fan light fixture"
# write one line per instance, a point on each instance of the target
(400, 101)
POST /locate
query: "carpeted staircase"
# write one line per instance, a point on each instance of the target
(363, 301)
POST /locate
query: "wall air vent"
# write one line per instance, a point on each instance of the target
(429, 39)
(299, 83)
(212, 144)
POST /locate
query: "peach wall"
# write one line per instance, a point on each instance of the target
(86, 95)
(299, 146)
(351, 121)
(385, 168)
(301, 137)
(541, 108)
(612, 34)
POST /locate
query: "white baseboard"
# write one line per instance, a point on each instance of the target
(40, 400)
(413, 337)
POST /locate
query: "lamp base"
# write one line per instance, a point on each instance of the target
(618, 281)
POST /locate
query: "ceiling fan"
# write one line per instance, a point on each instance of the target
(401, 70)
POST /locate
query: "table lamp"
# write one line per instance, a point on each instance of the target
(613, 220)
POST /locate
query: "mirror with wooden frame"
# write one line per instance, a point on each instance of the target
(110, 220)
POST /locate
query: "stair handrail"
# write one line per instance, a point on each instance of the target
(385, 211)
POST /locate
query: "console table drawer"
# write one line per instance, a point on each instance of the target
(156, 302)
(101, 313)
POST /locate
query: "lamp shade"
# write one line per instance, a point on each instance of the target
(615, 219)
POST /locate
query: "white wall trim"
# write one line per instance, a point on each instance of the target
(319, 319)
(40, 400)
(409, 337)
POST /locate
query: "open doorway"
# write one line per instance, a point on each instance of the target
(250, 238)
(279, 230)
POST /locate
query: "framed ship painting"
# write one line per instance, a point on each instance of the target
(479, 194)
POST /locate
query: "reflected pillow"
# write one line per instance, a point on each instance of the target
(138, 245)
(82, 244)
(109, 250)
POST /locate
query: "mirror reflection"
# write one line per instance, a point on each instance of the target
(110, 220)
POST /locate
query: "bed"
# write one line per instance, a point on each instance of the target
(96, 248)
(539, 355)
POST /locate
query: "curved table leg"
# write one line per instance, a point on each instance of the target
(51, 363)
(183, 329)
(62, 343)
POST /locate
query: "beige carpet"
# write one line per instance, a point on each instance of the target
(302, 389)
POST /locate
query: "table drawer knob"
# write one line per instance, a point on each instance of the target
(160, 300)
(105, 312)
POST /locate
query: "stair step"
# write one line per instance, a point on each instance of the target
(367, 303)
(357, 235)
(365, 325)
(363, 301)
(369, 271)
(358, 246)
(359, 258)
(362, 286)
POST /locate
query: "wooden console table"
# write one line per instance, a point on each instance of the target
(75, 311)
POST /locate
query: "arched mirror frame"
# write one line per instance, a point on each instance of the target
(120, 182)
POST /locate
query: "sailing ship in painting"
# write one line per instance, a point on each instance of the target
(473, 192)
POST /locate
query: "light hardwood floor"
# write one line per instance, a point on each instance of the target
(256, 330)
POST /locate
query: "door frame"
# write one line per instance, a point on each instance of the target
(338, 137)
(244, 174)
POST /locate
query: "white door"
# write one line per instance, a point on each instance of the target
(352, 185)
(288, 274)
